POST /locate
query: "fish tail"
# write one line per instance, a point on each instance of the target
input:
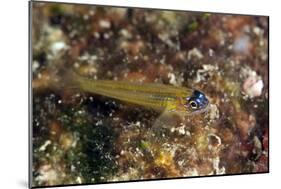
(71, 80)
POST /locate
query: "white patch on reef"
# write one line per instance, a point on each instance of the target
(98, 123)
(86, 17)
(257, 30)
(208, 69)
(106, 36)
(53, 34)
(257, 143)
(194, 53)
(172, 78)
(79, 180)
(211, 52)
(163, 59)
(216, 162)
(253, 84)
(104, 24)
(76, 65)
(57, 47)
(97, 35)
(176, 81)
(165, 37)
(44, 146)
(46, 174)
(214, 112)
(91, 59)
(138, 124)
(256, 89)
(217, 138)
(35, 65)
(116, 119)
(181, 130)
(126, 34)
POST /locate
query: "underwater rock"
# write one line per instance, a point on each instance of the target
(82, 137)
(253, 86)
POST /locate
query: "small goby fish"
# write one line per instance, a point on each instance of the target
(153, 95)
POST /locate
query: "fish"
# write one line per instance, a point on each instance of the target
(152, 95)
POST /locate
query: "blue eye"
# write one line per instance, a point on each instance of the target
(198, 100)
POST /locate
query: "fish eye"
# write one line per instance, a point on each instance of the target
(197, 101)
(193, 104)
